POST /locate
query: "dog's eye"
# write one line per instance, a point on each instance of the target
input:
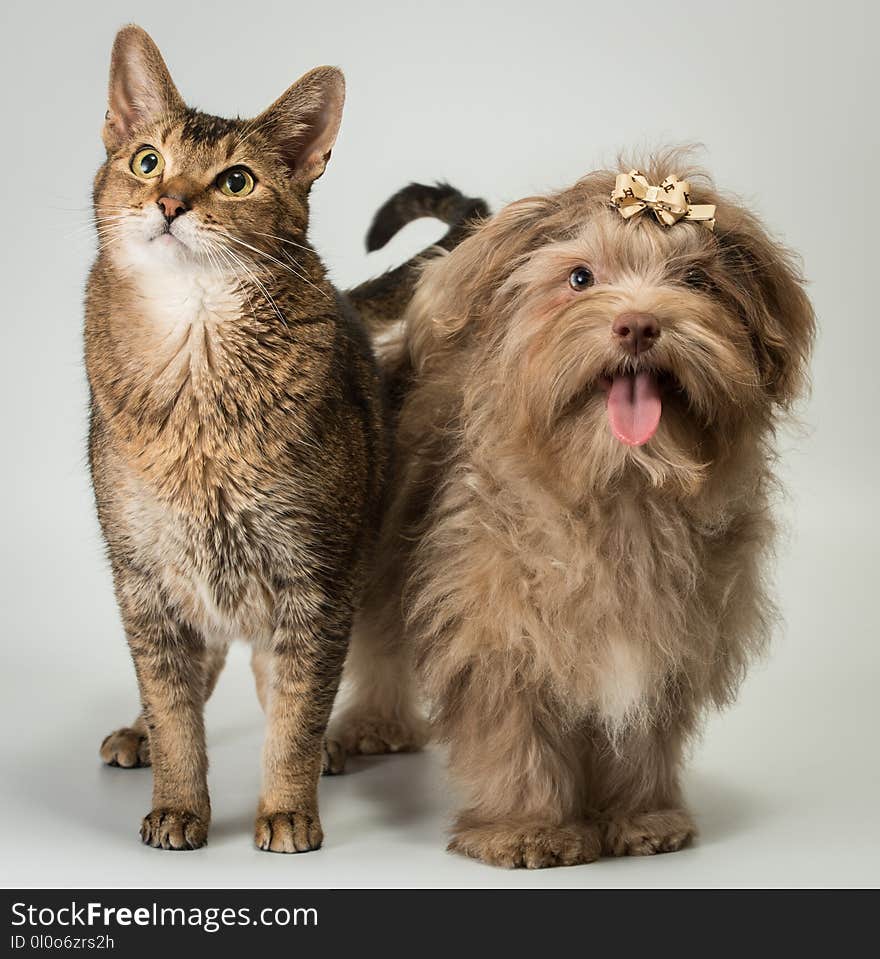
(580, 278)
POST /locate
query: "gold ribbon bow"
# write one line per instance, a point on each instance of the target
(632, 194)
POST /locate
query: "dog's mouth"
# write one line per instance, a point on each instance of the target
(634, 403)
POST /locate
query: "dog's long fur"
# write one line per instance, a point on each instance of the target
(572, 604)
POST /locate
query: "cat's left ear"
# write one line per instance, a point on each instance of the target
(304, 121)
(140, 88)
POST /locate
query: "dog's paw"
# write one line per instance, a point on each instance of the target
(127, 748)
(529, 846)
(332, 757)
(289, 831)
(174, 829)
(648, 833)
(372, 736)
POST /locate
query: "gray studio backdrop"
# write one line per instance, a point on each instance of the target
(503, 100)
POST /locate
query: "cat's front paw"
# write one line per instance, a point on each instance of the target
(174, 829)
(294, 830)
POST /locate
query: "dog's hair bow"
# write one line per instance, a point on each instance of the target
(633, 194)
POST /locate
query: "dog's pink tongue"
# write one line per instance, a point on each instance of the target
(634, 407)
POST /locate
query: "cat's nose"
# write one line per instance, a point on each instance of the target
(636, 332)
(171, 207)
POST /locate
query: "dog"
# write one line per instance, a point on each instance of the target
(573, 560)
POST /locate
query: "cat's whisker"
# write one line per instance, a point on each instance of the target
(265, 253)
(250, 271)
(300, 269)
(108, 237)
(107, 224)
(291, 259)
(289, 256)
(86, 230)
(95, 224)
(225, 263)
(86, 210)
(106, 227)
(255, 280)
(282, 239)
(285, 266)
(221, 251)
(205, 249)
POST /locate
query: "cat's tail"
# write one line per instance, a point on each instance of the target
(441, 201)
(382, 300)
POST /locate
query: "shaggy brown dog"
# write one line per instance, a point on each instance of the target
(573, 559)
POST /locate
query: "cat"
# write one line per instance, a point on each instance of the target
(238, 437)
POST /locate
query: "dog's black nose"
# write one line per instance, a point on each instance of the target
(636, 332)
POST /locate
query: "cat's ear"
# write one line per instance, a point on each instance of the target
(140, 86)
(304, 121)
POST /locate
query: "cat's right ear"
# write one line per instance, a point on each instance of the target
(140, 86)
(304, 121)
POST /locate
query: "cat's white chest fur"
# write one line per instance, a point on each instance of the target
(187, 313)
(176, 299)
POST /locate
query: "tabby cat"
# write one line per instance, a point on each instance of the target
(238, 440)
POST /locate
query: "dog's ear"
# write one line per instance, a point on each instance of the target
(459, 290)
(772, 301)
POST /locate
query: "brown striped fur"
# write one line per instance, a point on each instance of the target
(238, 440)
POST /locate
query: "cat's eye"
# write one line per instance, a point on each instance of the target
(237, 181)
(147, 163)
(580, 278)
